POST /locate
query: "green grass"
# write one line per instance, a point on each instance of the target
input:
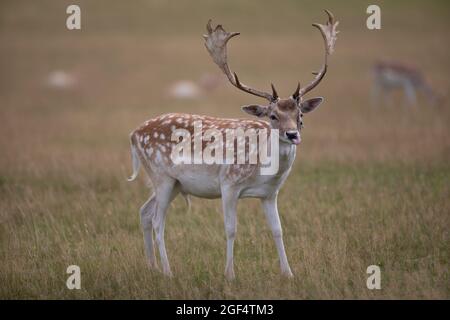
(338, 219)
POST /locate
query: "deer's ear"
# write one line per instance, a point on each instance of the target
(255, 110)
(310, 104)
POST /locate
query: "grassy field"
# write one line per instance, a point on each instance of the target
(370, 184)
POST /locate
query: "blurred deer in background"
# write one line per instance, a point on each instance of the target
(151, 146)
(189, 89)
(390, 75)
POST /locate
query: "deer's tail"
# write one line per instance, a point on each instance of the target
(135, 159)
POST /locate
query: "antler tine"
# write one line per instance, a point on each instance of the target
(208, 26)
(274, 92)
(330, 16)
(216, 44)
(329, 35)
(296, 93)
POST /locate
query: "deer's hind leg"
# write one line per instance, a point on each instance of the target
(148, 212)
(165, 191)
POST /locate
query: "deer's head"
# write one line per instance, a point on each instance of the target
(286, 115)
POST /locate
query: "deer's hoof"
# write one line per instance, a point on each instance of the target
(152, 265)
(168, 274)
(230, 275)
(288, 274)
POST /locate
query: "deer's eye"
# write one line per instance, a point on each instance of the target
(273, 117)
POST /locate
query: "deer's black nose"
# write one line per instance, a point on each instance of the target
(291, 135)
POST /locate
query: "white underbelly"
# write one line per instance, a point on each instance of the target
(263, 186)
(207, 187)
(394, 80)
(261, 191)
(200, 180)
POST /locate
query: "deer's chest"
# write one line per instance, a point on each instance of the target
(262, 186)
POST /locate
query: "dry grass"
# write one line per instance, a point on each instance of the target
(370, 186)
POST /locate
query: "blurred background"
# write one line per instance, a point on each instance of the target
(70, 98)
(124, 60)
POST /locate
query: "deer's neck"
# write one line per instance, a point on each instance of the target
(287, 153)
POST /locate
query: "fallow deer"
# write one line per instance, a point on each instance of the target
(151, 146)
(392, 75)
(189, 89)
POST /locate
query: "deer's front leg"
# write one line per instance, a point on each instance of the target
(229, 203)
(273, 219)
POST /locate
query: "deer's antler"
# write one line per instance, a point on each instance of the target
(216, 43)
(329, 35)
